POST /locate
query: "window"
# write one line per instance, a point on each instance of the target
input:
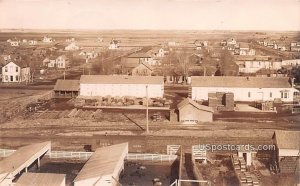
(17, 69)
(284, 95)
(17, 78)
(249, 94)
(6, 69)
(271, 95)
(6, 78)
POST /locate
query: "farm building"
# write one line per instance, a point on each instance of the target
(109, 85)
(244, 89)
(104, 167)
(21, 160)
(133, 60)
(190, 112)
(66, 88)
(287, 150)
(47, 39)
(41, 179)
(72, 47)
(15, 72)
(142, 70)
(113, 45)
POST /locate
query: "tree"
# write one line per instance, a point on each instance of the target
(227, 65)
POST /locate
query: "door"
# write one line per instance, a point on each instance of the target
(11, 78)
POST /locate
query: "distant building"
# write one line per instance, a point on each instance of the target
(109, 85)
(295, 46)
(195, 59)
(130, 62)
(60, 62)
(244, 49)
(142, 70)
(15, 72)
(47, 39)
(245, 89)
(14, 43)
(113, 45)
(90, 53)
(32, 42)
(190, 112)
(72, 47)
(157, 52)
(253, 63)
(291, 62)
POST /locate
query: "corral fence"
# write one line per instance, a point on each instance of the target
(87, 155)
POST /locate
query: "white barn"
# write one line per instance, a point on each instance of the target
(104, 166)
(109, 85)
(245, 89)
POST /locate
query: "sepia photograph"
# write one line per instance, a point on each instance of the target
(149, 93)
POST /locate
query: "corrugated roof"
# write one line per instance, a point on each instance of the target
(41, 179)
(19, 157)
(287, 139)
(103, 162)
(188, 101)
(66, 85)
(241, 82)
(120, 79)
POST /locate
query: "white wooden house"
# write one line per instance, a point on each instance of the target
(14, 43)
(110, 85)
(32, 42)
(113, 45)
(245, 89)
(60, 62)
(252, 64)
(47, 39)
(15, 72)
(72, 47)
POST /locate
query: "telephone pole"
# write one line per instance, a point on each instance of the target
(147, 111)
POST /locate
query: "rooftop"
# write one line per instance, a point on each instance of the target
(104, 161)
(139, 55)
(22, 155)
(241, 82)
(41, 179)
(120, 79)
(188, 101)
(287, 139)
(66, 85)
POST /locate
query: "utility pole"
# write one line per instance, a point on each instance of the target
(147, 111)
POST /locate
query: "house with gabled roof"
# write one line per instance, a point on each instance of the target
(142, 69)
(191, 112)
(15, 72)
(245, 89)
(60, 62)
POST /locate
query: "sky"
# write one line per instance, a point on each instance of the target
(277, 15)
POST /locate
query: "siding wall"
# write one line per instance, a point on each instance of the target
(241, 94)
(189, 112)
(136, 90)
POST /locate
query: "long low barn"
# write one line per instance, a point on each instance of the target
(108, 85)
(245, 89)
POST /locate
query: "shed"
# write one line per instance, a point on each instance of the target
(41, 179)
(66, 88)
(104, 166)
(190, 112)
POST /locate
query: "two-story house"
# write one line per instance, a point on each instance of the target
(13, 72)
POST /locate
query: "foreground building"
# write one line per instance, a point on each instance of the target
(104, 167)
(41, 179)
(109, 85)
(245, 89)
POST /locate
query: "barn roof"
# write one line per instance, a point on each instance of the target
(188, 101)
(241, 82)
(41, 179)
(287, 139)
(120, 79)
(66, 85)
(104, 161)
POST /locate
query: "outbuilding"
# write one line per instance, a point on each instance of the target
(104, 167)
(41, 179)
(118, 85)
(190, 112)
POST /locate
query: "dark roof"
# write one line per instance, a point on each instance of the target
(241, 82)
(188, 101)
(139, 55)
(66, 85)
(287, 139)
(120, 79)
